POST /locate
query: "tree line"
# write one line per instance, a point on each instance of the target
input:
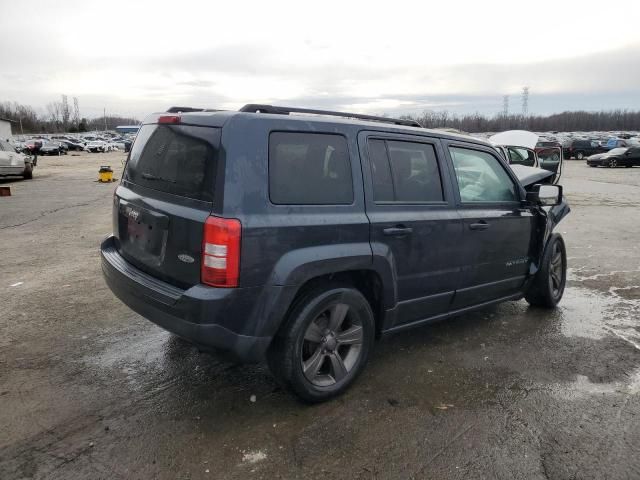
(60, 116)
(64, 116)
(580, 121)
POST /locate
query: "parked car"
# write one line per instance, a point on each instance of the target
(581, 149)
(521, 147)
(14, 163)
(32, 146)
(74, 146)
(96, 146)
(53, 148)
(615, 142)
(301, 238)
(617, 157)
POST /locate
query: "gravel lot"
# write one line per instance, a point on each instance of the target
(88, 389)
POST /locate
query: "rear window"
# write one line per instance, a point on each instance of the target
(309, 169)
(176, 159)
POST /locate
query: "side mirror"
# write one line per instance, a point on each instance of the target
(545, 195)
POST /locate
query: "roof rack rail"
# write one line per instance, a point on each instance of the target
(190, 109)
(258, 108)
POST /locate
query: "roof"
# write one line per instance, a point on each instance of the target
(222, 117)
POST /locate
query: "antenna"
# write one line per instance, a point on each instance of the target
(525, 101)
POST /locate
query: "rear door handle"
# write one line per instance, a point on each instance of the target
(479, 226)
(398, 231)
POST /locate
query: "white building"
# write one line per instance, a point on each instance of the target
(5, 129)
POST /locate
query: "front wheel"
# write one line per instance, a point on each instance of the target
(579, 155)
(28, 172)
(324, 344)
(613, 163)
(547, 287)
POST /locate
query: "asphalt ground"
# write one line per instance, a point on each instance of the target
(89, 389)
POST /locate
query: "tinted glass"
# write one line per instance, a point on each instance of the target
(309, 169)
(414, 167)
(175, 159)
(481, 177)
(380, 172)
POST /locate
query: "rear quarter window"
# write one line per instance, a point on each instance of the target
(309, 169)
(176, 159)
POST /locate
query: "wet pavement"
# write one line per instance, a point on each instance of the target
(88, 389)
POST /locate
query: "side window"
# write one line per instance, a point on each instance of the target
(309, 169)
(481, 177)
(413, 175)
(521, 156)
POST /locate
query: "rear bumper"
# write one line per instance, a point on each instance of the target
(199, 314)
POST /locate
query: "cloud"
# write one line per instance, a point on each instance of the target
(137, 57)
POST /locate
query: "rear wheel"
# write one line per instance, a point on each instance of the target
(547, 287)
(613, 163)
(324, 344)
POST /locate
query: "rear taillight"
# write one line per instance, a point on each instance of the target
(221, 252)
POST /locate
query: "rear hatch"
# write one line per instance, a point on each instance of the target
(166, 195)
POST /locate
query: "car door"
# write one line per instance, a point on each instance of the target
(497, 229)
(633, 156)
(550, 158)
(413, 221)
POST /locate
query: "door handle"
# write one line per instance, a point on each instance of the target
(398, 231)
(479, 226)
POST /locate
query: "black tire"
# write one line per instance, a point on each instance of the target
(547, 287)
(28, 172)
(331, 365)
(579, 156)
(613, 163)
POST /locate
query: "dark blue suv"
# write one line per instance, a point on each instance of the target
(299, 236)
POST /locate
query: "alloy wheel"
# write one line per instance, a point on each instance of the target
(331, 345)
(556, 271)
(613, 163)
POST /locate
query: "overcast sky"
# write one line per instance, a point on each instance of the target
(135, 57)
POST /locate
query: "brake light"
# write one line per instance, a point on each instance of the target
(221, 252)
(169, 119)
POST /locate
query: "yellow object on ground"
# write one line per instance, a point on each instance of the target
(105, 174)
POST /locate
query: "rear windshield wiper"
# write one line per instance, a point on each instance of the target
(149, 176)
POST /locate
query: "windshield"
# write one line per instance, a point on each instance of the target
(617, 151)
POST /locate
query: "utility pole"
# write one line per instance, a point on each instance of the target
(505, 106)
(21, 130)
(105, 119)
(525, 101)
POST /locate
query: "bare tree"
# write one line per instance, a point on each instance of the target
(65, 112)
(54, 112)
(76, 112)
